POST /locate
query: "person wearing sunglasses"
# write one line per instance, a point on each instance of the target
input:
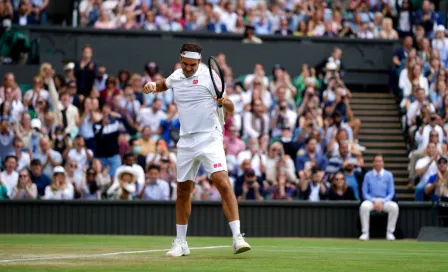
(25, 188)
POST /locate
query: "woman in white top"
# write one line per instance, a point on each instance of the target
(59, 189)
(276, 159)
(388, 32)
(440, 42)
(25, 188)
(416, 76)
(256, 121)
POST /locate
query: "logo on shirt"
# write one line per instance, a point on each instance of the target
(195, 81)
(216, 165)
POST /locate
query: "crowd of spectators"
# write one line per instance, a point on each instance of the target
(253, 18)
(88, 134)
(419, 79)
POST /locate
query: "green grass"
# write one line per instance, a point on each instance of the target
(82, 253)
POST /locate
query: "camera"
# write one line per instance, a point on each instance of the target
(250, 182)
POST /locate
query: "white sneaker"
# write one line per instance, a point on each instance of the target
(390, 237)
(364, 237)
(178, 248)
(240, 245)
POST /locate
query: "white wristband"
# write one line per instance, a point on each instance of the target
(153, 84)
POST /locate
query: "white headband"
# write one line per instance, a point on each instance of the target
(191, 55)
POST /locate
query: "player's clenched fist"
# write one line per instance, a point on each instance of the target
(149, 87)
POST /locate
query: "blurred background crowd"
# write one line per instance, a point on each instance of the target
(383, 19)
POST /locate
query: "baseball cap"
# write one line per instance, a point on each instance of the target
(249, 172)
(58, 169)
(36, 123)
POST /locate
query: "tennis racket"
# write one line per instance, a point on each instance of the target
(217, 77)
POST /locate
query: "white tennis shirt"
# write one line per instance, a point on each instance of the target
(194, 99)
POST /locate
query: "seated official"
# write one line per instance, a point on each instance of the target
(378, 191)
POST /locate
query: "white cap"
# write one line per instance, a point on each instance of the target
(331, 66)
(440, 28)
(36, 123)
(127, 170)
(69, 66)
(58, 169)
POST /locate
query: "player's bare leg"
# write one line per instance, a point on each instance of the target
(230, 208)
(183, 211)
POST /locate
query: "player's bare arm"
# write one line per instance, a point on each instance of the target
(155, 87)
(226, 103)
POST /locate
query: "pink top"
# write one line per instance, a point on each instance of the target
(105, 25)
(234, 147)
(16, 92)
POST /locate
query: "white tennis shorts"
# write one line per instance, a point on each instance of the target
(193, 149)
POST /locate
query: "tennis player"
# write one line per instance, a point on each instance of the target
(201, 141)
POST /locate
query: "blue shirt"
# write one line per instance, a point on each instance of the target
(320, 160)
(431, 180)
(41, 182)
(378, 186)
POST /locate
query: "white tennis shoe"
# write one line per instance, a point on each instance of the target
(178, 248)
(240, 245)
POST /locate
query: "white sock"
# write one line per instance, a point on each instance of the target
(181, 231)
(235, 227)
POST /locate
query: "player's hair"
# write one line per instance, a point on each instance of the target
(192, 47)
(153, 166)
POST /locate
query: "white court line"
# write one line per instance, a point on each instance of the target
(103, 254)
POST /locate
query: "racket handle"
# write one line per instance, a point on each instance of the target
(221, 116)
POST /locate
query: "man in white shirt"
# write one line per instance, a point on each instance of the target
(154, 188)
(417, 105)
(80, 154)
(10, 176)
(201, 141)
(422, 135)
(257, 160)
(425, 168)
(49, 157)
(152, 116)
(258, 73)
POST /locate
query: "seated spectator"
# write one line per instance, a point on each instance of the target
(256, 121)
(250, 188)
(170, 127)
(25, 188)
(437, 185)
(337, 125)
(154, 187)
(339, 189)
(249, 36)
(10, 176)
(90, 189)
(104, 21)
(25, 16)
(74, 178)
(126, 187)
(49, 157)
(312, 186)
(378, 191)
(254, 154)
(59, 189)
(425, 168)
(3, 190)
(282, 190)
(7, 137)
(388, 32)
(311, 157)
(23, 158)
(277, 161)
(232, 143)
(103, 178)
(80, 154)
(38, 178)
(161, 153)
(139, 173)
